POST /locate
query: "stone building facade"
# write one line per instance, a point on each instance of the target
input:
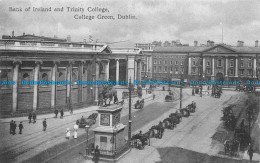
(28, 59)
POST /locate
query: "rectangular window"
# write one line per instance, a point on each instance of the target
(249, 72)
(165, 68)
(241, 72)
(155, 62)
(103, 139)
(176, 62)
(208, 71)
(241, 64)
(154, 68)
(176, 70)
(231, 72)
(249, 64)
(160, 62)
(160, 68)
(171, 69)
(219, 63)
(193, 70)
(182, 62)
(182, 70)
(194, 63)
(231, 64)
(208, 63)
(171, 62)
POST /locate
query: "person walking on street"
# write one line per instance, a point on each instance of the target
(14, 128)
(76, 127)
(250, 152)
(96, 155)
(61, 113)
(67, 133)
(11, 126)
(44, 124)
(30, 117)
(153, 96)
(20, 128)
(34, 117)
(56, 113)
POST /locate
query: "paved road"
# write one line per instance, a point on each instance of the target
(17, 148)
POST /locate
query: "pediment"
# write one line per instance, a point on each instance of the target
(106, 50)
(220, 49)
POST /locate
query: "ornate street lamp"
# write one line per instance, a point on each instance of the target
(87, 149)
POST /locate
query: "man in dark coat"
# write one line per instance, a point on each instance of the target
(250, 152)
(61, 113)
(11, 126)
(34, 117)
(14, 128)
(20, 128)
(96, 155)
(56, 113)
(44, 124)
(30, 117)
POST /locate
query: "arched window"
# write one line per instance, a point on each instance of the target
(44, 77)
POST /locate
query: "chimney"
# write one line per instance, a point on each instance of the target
(12, 33)
(68, 38)
(239, 43)
(84, 41)
(23, 34)
(195, 43)
(256, 43)
(208, 43)
(212, 43)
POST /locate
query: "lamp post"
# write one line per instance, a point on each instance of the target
(87, 150)
(181, 90)
(130, 116)
(91, 92)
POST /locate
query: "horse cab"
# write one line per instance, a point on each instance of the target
(169, 98)
(139, 104)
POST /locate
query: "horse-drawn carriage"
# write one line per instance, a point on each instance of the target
(139, 104)
(185, 112)
(228, 117)
(87, 121)
(140, 140)
(192, 107)
(232, 147)
(170, 97)
(157, 131)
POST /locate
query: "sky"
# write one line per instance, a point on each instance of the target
(161, 20)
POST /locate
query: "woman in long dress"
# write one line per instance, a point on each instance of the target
(76, 127)
(68, 133)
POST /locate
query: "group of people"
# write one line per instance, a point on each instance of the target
(13, 127)
(75, 127)
(32, 115)
(56, 112)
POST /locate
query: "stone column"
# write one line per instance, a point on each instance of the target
(15, 86)
(35, 86)
(117, 69)
(69, 71)
(97, 78)
(126, 79)
(189, 66)
(226, 66)
(213, 66)
(54, 86)
(138, 70)
(135, 78)
(106, 67)
(204, 65)
(80, 88)
(131, 68)
(254, 68)
(236, 74)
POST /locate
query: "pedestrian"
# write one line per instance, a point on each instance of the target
(34, 117)
(250, 152)
(115, 100)
(44, 124)
(96, 155)
(153, 96)
(67, 133)
(61, 113)
(14, 128)
(146, 90)
(76, 127)
(30, 117)
(56, 113)
(20, 128)
(11, 126)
